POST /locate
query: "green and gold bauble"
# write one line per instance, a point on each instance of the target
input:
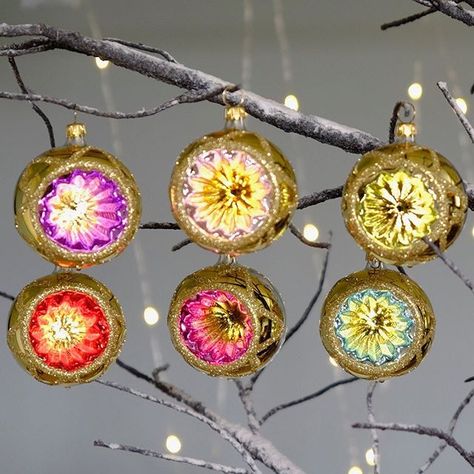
(377, 324)
(399, 197)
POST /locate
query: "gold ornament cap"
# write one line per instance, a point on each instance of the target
(77, 205)
(233, 192)
(377, 324)
(399, 197)
(226, 320)
(66, 328)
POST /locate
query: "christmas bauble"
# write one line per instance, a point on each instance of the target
(226, 320)
(66, 328)
(233, 192)
(400, 194)
(377, 324)
(77, 205)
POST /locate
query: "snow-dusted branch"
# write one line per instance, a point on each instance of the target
(452, 425)
(452, 9)
(128, 57)
(211, 466)
(421, 430)
(457, 110)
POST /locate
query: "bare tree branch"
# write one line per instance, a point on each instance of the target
(450, 264)
(160, 225)
(453, 10)
(223, 433)
(319, 197)
(457, 110)
(421, 430)
(172, 457)
(311, 396)
(144, 47)
(375, 438)
(181, 244)
(24, 89)
(266, 110)
(299, 235)
(452, 425)
(245, 393)
(408, 19)
(6, 296)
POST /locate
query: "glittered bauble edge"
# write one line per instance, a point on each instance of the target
(389, 159)
(282, 178)
(404, 289)
(213, 278)
(22, 311)
(27, 215)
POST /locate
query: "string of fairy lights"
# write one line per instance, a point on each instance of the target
(151, 316)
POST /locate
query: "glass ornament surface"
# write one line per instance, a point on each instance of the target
(77, 205)
(400, 194)
(66, 328)
(233, 192)
(377, 324)
(226, 320)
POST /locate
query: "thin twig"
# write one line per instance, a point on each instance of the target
(160, 225)
(311, 396)
(452, 425)
(408, 19)
(371, 416)
(319, 197)
(224, 434)
(299, 235)
(25, 90)
(181, 244)
(185, 98)
(453, 10)
(172, 457)
(7, 296)
(401, 269)
(421, 430)
(393, 121)
(457, 110)
(450, 264)
(144, 47)
(245, 397)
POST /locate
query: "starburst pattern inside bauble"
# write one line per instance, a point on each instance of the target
(397, 209)
(227, 193)
(374, 326)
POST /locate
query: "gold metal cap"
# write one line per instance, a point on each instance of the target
(76, 134)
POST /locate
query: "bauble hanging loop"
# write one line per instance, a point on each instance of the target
(226, 320)
(401, 195)
(77, 205)
(233, 191)
(66, 328)
(377, 324)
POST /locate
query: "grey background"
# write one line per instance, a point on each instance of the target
(345, 69)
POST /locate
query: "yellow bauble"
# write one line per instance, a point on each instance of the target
(66, 329)
(226, 320)
(233, 192)
(377, 324)
(397, 196)
(77, 205)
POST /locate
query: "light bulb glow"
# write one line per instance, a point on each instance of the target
(370, 457)
(355, 470)
(173, 444)
(472, 231)
(333, 362)
(292, 102)
(311, 232)
(462, 104)
(151, 315)
(415, 91)
(101, 64)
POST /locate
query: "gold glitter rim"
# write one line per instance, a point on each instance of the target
(278, 170)
(241, 282)
(404, 289)
(22, 311)
(439, 177)
(59, 162)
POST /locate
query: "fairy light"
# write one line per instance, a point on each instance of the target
(462, 104)
(355, 470)
(151, 315)
(472, 231)
(173, 444)
(333, 362)
(292, 102)
(101, 64)
(370, 457)
(415, 91)
(310, 232)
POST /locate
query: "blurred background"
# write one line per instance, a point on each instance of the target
(333, 57)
